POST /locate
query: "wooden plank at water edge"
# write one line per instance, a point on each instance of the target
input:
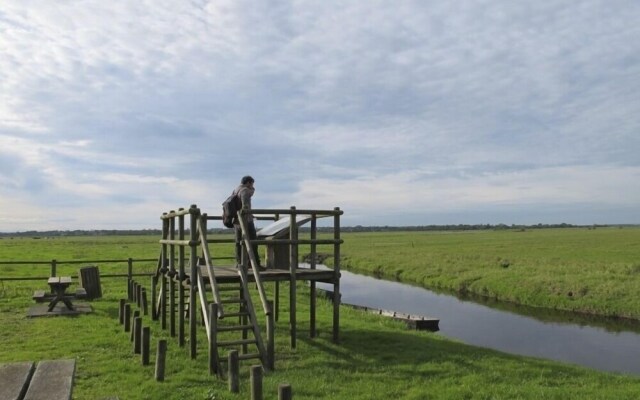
(53, 380)
(14, 379)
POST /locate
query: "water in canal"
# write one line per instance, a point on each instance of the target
(599, 343)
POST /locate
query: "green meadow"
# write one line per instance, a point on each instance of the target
(577, 269)
(594, 271)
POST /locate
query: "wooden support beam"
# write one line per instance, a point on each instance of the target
(293, 265)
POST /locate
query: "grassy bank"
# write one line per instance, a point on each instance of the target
(588, 270)
(376, 359)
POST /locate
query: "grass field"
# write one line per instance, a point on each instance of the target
(376, 359)
(587, 270)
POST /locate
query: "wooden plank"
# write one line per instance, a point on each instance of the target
(413, 321)
(40, 296)
(230, 275)
(54, 279)
(14, 379)
(65, 279)
(89, 279)
(52, 380)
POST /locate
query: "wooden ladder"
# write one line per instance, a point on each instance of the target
(242, 334)
(238, 329)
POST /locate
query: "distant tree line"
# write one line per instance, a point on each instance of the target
(357, 228)
(458, 227)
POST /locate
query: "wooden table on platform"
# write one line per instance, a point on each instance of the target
(59, 285)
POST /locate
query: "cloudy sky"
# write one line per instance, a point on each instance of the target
(398, 112)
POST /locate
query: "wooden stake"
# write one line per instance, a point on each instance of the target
(127, 317)
(137, 334)
(160, 359)
(146, 341)
(256, 382)
(121, 312)
(284, 391)
(145, 302)
(234, 371)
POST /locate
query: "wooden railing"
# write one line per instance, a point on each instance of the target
(56, 263)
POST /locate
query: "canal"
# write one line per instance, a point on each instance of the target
(600, 343)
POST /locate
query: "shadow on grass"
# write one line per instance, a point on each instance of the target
(405, 352)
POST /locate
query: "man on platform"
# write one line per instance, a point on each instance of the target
(244, 192)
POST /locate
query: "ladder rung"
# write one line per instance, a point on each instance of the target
(248, 356)
(236, 342)
(232, 300)
(229, 328)
(228, 288)
(236, 314)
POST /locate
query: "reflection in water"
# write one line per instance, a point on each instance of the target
(599, 343)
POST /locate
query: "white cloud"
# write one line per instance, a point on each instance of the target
(410, 191)
(469, 105)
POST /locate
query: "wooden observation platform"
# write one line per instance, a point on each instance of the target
(195, 278)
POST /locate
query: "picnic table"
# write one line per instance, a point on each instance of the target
(59, 286)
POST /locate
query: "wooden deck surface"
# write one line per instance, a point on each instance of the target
(229, 274)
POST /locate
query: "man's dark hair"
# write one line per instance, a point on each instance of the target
(247, 179)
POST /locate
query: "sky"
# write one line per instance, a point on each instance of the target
(398, 112)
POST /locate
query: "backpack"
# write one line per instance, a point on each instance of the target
(230, 209)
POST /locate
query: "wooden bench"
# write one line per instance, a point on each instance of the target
(40, 296)
(51, 380)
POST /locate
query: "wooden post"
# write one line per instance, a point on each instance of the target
(313, 293)
(284, 391)
(163, 302)
(54, 265)
(270, 338)
(132, 290)
(181, 278)
(154, 292)
(127, 317)
(160, 359)
(129, 290)
(233, 374)
(121, 312)
(138, 295)
(293, 264)
(136, 314)
(336, 278)
(276, 296)
(137, 335)
(163, 276)
(193, 315)
(213, 342)
(145, 307)
(146, 341)
(130, 268)
(172, 274)
(256, 382)
(244, 320)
